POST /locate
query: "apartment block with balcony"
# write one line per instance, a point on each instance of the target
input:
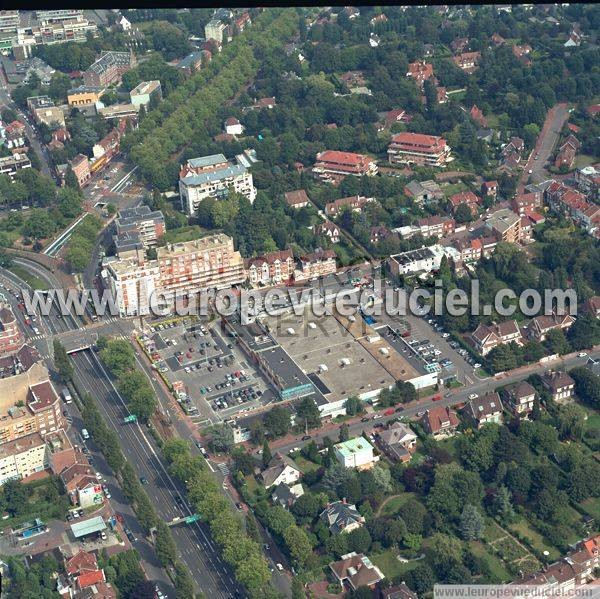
(331, 165)
(212, 176)
(22, 457)
(419, 150)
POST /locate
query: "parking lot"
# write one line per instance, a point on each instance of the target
(210, 375)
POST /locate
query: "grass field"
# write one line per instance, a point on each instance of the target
(390, 565)
(33, 281)
(494, 563)
(305, 465)
(582, 160)
(593, 421)
(591, 507)
(392, 506)
(523, 528)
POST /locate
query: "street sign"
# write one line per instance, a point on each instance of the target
(192, 519)
(130, 418)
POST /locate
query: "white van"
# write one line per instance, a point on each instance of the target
(66, 395)
(85, 435)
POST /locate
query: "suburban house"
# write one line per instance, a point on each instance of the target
(565, 157)
(486, 337)
(297, 199)
(485, 409)
(398, 442)
(540, 326)
(560, 385)
(356, 570)
(82, 570)
(420, 71)
(286, 495)
(459, 44)
(329, 230)
(355, 453)
(440, 422)
(467, 61)
(398, 591)
(489, 189)
(281, 469)
(424, 192)
(526, 202)
(519, 398)
(233, 126)
(436, 226)
(353, 203)
(341, 516)
(271, 269)
(505, 225)
(379, 233)
(464, 197)
(478, 117)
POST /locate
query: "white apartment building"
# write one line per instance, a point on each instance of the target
(212, 176)
(214, 30)
(355, 453)
(22, 457)
(180, 270)
(422, 260)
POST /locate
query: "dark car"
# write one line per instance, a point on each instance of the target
(364, 419)
(400, 409)
(306, 437)
(143, 480)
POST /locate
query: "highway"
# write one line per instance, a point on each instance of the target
(197, 550)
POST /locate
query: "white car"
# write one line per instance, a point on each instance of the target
(279, 567)
(445, 335)
(582, 354)
(477, 365)
(473, 396)
(98, 476)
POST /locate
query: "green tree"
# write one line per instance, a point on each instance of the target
(166, 550)
(463, 214)
(277, 421)
(266, 454)
(344, 432)
(62, 363)
(471, 523)
(308, 411)
(298, 545)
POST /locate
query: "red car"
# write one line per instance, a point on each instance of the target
(389, 412)
(406, 334)
(119, 518)
(437, 397)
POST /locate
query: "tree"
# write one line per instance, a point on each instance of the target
(471, 523)
(359, 540)
(308, 411)
(278, 519)
(222, 437)
(39, 225)
(297, 589)
(298, 545)
(344, 432)
(502, 506)
(277, 421)
(62, 363)
(570, 421)
(463, 214)
(383, 478)
(266, 454)
(166, 549)
(585, 332)
(413, 514)
(421, 578)
(587, 386)
(354, 406)
(118, 356)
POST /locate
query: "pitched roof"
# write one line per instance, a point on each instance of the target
(81, 562)
(557, 380)
(438, 416)
(488, 405)
(90, 578)
(276, 466)
(520, 390)
(271, 258)
(298, 196)
(357, 570)
(339, 515)
(397, 433)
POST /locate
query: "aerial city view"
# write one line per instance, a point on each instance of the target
(300, 302)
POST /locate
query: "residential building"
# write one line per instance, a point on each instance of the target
(442, 95)
(83, 573)
(592, 306)
(565, 159)
(79, 480)
(41, 412)
(215, 30)
(485, 409)
(486, 337)
(109, 68)
(60, 451)
(519, 398)
(15, 135)
(356, 570)
(420, 71)
(44, 111)
(148, 225)
(233, 126)
(398, 442)
(271, 269)
(588, 181)
(397, 115)
(297, 199)
(436, 226)
(353, 203)
(341, 516)
(265, 103)
(332, 164)
(378, 234)
(119, 112)
(421, 260)
(440, 422)
(522, 52)
(286, 495)
(566, 200)
(192, 63)
(84, 95)
(329, 230)
(212, 176)
(459, 44)
(560, 385)
(281, 469)
(497, 40)
(540, 326)
(465, 197)
(81, 169)
(318, 264)
(146, 92)
(355, 453)
(398, 591)
(505, 225)
(477, 116)
(424, 192)
(526, 202)
(419, 150)
(22, 457)
(179, 270)
(468, 61)
(11, 338)
(107, 148)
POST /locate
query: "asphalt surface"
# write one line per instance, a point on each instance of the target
(211, 574)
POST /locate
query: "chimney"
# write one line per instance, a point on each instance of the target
(344, 501)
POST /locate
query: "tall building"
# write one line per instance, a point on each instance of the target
(139, 226)
(180, 269)
(212, 176)
(22, 457)
(145, 92)
(11, 338)
(109, 68)
(418, 149)
(214, 30)
(332, 164)
(9, 165)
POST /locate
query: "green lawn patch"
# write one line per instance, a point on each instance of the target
(582, 160)
(482, 373)
(593, 421)
(305, 465)
(389, 564)
(536, 540)
(33, 281)
(391, 507)
(492, 531)
(184, 234)
(453, 188)
(495, 564)
(592, 507)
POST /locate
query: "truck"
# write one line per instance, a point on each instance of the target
(66, 395)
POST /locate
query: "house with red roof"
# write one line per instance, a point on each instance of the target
(233, 126)
(419, 149)
(329, 230)
(477, 116)
(486, 337)
(567, 152)
(333, 165)
(83, 570)
(465, 197)
(354, 203)
(442, 95)
(467, 61)
(420, 71)
(489, 189)
(297, 198)
(440, 422)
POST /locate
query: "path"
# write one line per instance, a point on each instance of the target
(387, 500)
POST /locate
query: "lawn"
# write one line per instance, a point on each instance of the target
(582, 160)
(392, 506)
(184, 234)
(305, 465)
(390, 565)
(453, 188)
(33, 281)
(536, 540)
(591, 507)
(593, 421)
(494, 563)
(450, 445)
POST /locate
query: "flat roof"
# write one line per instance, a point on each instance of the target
(413, 255)
(204, 161)
(145, 87)
(88, 527)
(234, 170)
(351, 446)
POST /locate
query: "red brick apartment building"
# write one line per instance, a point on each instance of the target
(418, 149)
(10, 334)
(332, 164)
(271, 268)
